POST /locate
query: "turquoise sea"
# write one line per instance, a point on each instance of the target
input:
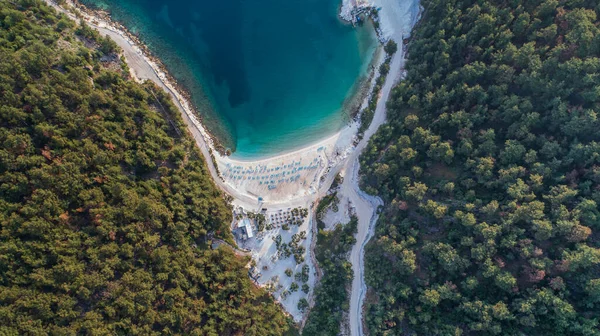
(266, 76)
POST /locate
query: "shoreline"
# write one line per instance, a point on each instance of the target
(242, 179)
(351, 106)
(351, 110)
(102, 19)
(319, 155)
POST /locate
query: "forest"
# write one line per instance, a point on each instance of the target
(106, 205)
(331, 294)
(490, 171)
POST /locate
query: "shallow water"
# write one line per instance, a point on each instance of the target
(267, 76)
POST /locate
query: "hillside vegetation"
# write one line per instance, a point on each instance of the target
(490, 169)
(105, 203)
(331, 294)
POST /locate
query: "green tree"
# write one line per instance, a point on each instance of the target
(107, 209)
(391, 47)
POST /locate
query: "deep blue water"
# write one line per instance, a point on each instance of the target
(266, 76)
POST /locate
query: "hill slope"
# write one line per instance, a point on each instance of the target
(105, 203)
(490, 169)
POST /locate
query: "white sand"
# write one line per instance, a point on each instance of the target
(332, 218)
(397, 17)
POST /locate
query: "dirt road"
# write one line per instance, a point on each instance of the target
(366, 205)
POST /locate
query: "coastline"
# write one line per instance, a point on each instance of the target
(227, 137)
(303, 174)
(102, 20)
(356, 101)
(334, 148)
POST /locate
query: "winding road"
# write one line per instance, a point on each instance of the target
(366, 206)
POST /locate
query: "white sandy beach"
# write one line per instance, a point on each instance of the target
(294, 179)
(289, 176)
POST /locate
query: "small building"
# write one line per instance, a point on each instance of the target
(245, 228)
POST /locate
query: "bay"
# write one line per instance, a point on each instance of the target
(266, 76)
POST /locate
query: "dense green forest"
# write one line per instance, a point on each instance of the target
(331, 294)
(105, 203)
(490, 170)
